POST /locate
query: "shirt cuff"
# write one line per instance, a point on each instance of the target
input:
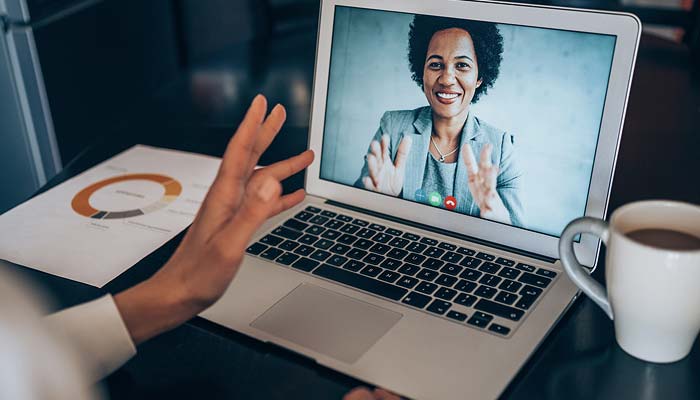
(98, 333)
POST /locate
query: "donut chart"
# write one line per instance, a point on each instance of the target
(81, 201)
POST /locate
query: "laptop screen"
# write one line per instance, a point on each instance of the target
(490, 120)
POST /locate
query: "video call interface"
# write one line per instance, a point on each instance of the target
(495, 121)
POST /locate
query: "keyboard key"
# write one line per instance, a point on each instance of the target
(457, 316)
(296, 224)
(313, 209)
(511, 286)
(429, 241)
(479, 321)
(379, 248)
(502, 311)
(531, 291)
(409, 269)
(360, 222)
(465, 286)
(427, 274)
(534, 280)
(351, 229)
(288, 245)
(414, 258)
(489, 267)
(446, 280)
(525, 302)
(329, 214)
(510, 273)
(394, 232)
(354, 265)
(500, 329)
(361, 282)
(525, 267)
(390, 264)
(434, 252)
(271, 253)
(433, 263)
(505, 297)
(319, 220)
(255, 248)
(470, 274)
(399, 242)
(417, 247)
(485, 291)
(465, 299)
(371, 270)
(397, 254)
(340, 248)
(382, 238)
(308, 239)
(271, 240)
(465, 251)
(366, 233)
(330, 234)
(373, 259)
(491, 280)
(305, 264)
(304, 216)
(389, 276)
(451, 269)
(304, 250)
(486, 257)
(547, 273)
(287, 258)
(363, 244)
(377, 227)
(447, 246)
(470, 262)
(286, 233)
(347, 239)
(324, 244)
(407, 282)
(315, 230)
(337, 260)
(451, 257)
(334, 224)
(505, 261)
(320, 255)
(445, 294)
(439, 307)
(411, 236)
(426, 287)
(416, 300)
(343, 218)
(356, 254)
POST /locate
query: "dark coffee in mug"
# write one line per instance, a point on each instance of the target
(665, 239)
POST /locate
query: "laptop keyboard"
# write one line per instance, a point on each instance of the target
(457, 283)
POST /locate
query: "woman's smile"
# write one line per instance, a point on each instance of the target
(447, 96)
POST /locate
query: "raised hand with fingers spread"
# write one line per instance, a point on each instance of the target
(482, 183)
(386, 176)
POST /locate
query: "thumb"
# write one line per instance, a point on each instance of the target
(402, 152)
(359, 393)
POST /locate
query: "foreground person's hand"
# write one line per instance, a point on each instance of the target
(482, 184)
(362, 393)
(386, 176)
(238, 202)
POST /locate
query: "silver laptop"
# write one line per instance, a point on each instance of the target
(454, 142)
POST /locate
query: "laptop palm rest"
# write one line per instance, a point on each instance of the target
(327, 322)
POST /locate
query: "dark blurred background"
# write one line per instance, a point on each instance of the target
(110, 64)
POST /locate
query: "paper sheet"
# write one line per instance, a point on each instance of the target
(98, 224)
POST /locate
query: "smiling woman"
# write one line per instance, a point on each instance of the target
(416, 155)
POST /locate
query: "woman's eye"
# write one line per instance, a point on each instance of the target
(435, 65)
(463, 66)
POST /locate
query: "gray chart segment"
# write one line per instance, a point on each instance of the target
(122, 214)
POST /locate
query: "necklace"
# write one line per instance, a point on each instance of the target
(442, 156)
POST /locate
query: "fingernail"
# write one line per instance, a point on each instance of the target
(268, 190)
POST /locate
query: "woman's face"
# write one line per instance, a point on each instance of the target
(450, 74)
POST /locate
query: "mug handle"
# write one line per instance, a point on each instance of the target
(576, 272)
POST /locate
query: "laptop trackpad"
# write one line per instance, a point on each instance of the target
(327, 322)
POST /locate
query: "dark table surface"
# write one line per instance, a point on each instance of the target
(659, 158)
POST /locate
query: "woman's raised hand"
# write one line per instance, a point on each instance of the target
(482, 184)
(386, 176)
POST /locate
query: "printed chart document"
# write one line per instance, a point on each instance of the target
(98, 224)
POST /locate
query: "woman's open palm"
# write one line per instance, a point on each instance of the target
(386, 176)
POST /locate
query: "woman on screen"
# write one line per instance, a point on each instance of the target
(428, 154)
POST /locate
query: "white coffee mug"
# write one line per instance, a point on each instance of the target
(653, 294)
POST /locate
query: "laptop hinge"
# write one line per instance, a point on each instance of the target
(445, 232)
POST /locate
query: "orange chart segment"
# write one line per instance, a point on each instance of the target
(81, 201)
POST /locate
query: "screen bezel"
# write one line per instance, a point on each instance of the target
(627, 29)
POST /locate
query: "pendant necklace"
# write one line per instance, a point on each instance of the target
(442, 156)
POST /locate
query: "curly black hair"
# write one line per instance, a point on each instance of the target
(488, 44)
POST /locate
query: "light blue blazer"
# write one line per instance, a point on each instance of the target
(418, 124)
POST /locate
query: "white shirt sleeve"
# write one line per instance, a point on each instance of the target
(99, 334)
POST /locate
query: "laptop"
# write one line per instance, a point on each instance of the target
(454, 141)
